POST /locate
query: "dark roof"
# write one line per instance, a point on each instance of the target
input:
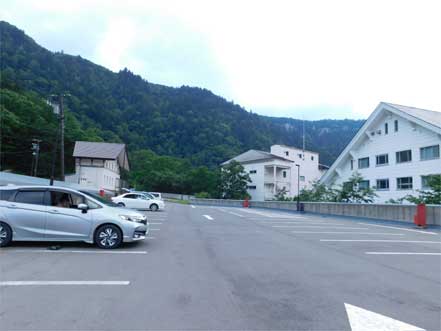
(254, 155)
(98, 150)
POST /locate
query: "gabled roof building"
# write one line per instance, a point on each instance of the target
(396, 151)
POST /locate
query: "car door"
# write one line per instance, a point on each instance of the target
(141, 201)
(26, 213)
(129, 200)
(64, 220)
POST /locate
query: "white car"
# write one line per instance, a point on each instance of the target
(157, 195)
(138, 201)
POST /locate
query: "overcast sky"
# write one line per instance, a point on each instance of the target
(303, 59)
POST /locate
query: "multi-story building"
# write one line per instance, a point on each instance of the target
(99, 165)
(396, 151)
(283, 168)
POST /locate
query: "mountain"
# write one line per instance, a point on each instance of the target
(186, 122)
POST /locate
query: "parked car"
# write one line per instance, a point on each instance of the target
(48, 213)
(138, 201)
(157, 195)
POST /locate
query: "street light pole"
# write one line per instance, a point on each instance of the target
(62, 137)
(298, 187)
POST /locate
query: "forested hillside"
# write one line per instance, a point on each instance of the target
(185, 122)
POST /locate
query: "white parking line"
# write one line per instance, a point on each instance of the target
(316, 227)
(72, 251)
(208, 217)
(339, 232)
(193, 206)
(233, 213)
(400, 253)
(382, 241)
(156, 223)
(398, 228)
(155, 229)
(302, 223)
(45, 283)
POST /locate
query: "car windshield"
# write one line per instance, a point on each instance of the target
(100, 199)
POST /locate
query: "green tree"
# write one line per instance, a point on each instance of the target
(318, 192)
(429, 197)
(234, 181)
(353, 191)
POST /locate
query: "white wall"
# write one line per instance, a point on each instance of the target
(102, 174)
(308, 161)
(409, 136)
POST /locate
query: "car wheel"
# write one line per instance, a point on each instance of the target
(121, 204)
(5, 234)
(108, 236)
(154, 207)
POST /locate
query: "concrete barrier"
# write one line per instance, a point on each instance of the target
(176, 196)
(390, 212)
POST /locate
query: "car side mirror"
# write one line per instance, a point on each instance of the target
(83, 207)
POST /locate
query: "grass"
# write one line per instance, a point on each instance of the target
(182, 202)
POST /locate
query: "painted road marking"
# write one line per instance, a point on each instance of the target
(400, 253)
(398, 228)
(150, 238)
(339, 232)
(73, 251)
(233, 213)
(382, 241)
(156, 223)
(154, 229)
(208, 217)
(365, 320)
(316, 227)
(193, 206)
(69, 282)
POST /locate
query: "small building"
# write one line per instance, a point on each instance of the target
(396, 151)
(284, 168)
(99, 165)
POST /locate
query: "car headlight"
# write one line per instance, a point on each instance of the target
(138, 219)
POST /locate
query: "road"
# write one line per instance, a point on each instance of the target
(228, 269)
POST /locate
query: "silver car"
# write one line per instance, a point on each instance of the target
(48, 213)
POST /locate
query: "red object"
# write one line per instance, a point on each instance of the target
(420, 217)
(102, 193)
(246, 203)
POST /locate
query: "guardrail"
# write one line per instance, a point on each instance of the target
(390, 212)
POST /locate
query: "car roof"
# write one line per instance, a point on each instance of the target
(36, 187)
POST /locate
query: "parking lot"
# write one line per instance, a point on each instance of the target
(225, 268)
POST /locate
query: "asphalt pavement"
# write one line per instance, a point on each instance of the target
(218, 268)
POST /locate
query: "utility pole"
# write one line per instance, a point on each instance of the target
(298, 187)
(62, 136)
(35, 154)
(59, 110)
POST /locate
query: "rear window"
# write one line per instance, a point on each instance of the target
(31, 197)
(6, 194)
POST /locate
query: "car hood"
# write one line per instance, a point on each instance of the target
(124, 211)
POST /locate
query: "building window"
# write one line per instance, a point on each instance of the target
(404, 183)
(363, 163)
(386, 128)
(382, 159)
(425, 181)
(300, 155)
(396, 125)
(382, 184)
(302, 178)
(284, 174)
(352, 164)
(251, 187)
(363, 185)
(404, 156)
(312, 157)
(253, 171)
(429, 153)
(287, 153)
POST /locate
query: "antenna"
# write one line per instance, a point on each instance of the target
(303, 139)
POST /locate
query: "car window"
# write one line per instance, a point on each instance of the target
(6, 194)
(62, 199)
(130, 196)
(31, 197)
(92, 205)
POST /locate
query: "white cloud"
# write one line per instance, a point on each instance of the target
(278, 57)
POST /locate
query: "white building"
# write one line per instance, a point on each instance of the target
(278, 170)
(99, 165)
(395, 151)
